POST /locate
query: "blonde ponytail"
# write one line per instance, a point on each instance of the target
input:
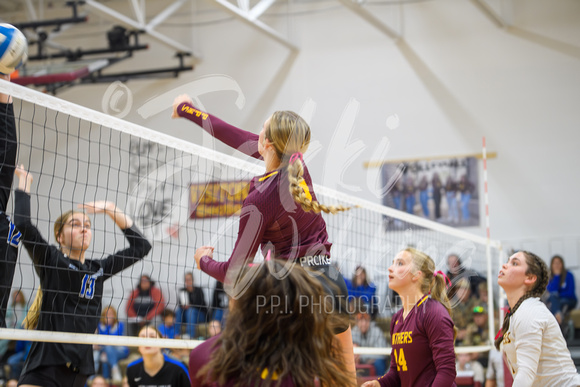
(433, 281)
(31, 320)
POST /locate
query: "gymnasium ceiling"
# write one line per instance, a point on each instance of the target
(149, 15)
(537, 20)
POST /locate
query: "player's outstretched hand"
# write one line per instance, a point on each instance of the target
(122, 220)
(372, 383)
(98, 207)
(201, 252)
(178, 101)
(24, 178)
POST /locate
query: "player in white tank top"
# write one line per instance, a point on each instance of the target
(533, 344)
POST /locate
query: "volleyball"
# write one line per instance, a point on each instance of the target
(13, 48)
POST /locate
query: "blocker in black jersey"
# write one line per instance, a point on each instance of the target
(72, 291)
(172, 374)
(9, 235)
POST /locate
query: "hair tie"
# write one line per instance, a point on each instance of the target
(444, 276)
(295, 156)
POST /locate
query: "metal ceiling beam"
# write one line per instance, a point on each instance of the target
(139, 11)
(163, 15)
(244, 5)
(503, 17)
(245, 16)
(358, 8)
(30, 10)
(260, 8)
(128, 22)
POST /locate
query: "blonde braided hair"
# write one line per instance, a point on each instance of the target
(31, 320)
(290, 134)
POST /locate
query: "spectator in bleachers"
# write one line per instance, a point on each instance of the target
(168, 329)
(561, 288)
(214, 328)
(494, 373)
(367, 334)
(156, 368)
(463, 309)
(219, 302)
(16, 360)
(17, 310)
(362, 291)
(15, 314)
(192, 308)
(99, 381)
(457, 272)
(484, 300)
(467, 366)
(478, 329)
(11, 383)
(108, 356)
(145, 306)
(483, 293)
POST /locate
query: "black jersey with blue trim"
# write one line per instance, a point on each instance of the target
(72, 291)
(9, 235)
(172, 374)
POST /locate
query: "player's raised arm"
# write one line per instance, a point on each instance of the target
(244, 141)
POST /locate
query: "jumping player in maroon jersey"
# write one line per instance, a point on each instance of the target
(284, 337)
(280, 213)
(72, 286)
(422, 333)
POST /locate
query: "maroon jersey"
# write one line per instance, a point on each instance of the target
(200, 356)
(269, 216)
(422, 347)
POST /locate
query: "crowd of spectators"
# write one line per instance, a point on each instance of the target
(194, 317)
(146, 305)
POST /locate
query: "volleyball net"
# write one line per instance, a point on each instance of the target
(183, 196)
